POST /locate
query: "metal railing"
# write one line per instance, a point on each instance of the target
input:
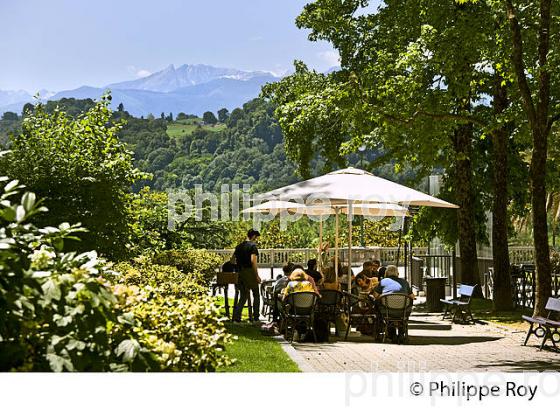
(523, 285)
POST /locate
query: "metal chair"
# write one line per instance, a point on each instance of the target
(395, 309)
(266, 291)
(362, 314)
(299, 310)
(329, 306)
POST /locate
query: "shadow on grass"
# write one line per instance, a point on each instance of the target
(483, 309)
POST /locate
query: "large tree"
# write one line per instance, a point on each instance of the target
(533, 41)
(209, 118)
(410, 80)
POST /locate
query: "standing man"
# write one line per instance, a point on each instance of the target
(246, 254)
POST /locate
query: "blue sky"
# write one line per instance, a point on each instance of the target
(63, 44)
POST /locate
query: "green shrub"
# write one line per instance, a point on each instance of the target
(81, 169)
(56, 310)
(177, 314)
(191, 261)
(69, 312)
(150, 226)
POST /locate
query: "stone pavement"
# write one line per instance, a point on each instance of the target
(434, 346)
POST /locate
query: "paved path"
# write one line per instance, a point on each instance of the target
(434, 346)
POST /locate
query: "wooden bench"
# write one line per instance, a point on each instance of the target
(547, 327)
(461, 305)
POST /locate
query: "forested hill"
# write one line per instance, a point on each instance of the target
(244, 147)
(241, 147)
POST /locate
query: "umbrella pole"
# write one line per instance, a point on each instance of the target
(336, 242)
(350, 217)
(399, 243)
(319, 258)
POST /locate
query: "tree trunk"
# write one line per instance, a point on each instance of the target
(466, 200)
(537, 111)
(500, 253)
(540, 225)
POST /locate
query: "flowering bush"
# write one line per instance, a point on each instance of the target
(178, 317)
(70, 312)
(57, 312)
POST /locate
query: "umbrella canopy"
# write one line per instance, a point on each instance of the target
(274, 207)
(374, 209)
(357, 186)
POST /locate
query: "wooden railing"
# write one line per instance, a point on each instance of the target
(276, 258)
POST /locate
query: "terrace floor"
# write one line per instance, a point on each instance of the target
(434, 346)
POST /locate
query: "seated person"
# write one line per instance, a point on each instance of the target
(343, 279)
(330, 280)
(278, 288)
(282, 282)
(313, 272)
(307, 277)
(377, 269)
(343, 274)
(367, 269)
(298, 283)
(391, 283)
(366, 284)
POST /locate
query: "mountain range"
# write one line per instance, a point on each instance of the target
(192, 89)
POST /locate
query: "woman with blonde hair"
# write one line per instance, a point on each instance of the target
(298, 283)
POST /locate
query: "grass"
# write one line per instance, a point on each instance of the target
(483, 309)
(183, 128)
(254, 351)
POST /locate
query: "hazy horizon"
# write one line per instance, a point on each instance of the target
(62, 45)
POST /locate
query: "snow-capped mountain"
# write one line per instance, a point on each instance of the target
(191, 89)
(171, 78)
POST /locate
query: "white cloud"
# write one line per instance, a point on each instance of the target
(330, 57)
(143, 73)
(138, 72)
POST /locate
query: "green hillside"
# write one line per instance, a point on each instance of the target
(180, 128)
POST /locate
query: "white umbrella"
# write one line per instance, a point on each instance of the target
(356, 185)
(352, 187)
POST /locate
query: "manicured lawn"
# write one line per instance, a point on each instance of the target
(253, 351)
